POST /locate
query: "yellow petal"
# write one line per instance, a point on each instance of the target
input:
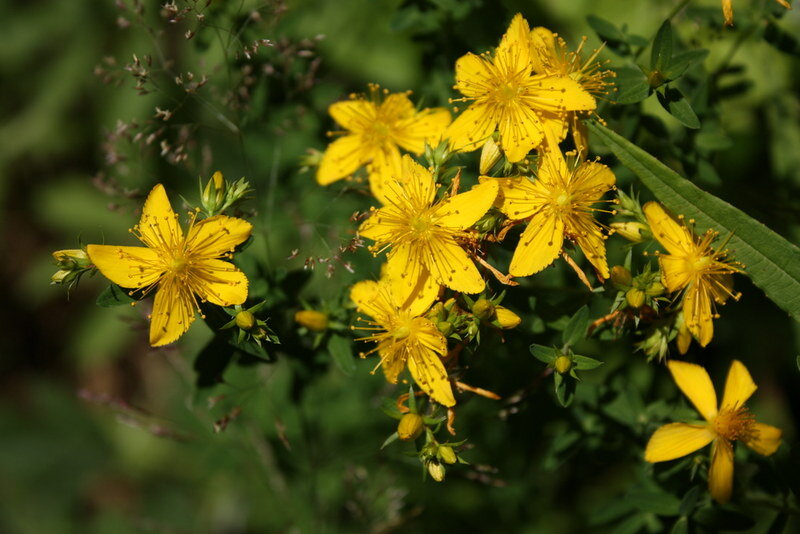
(580, 133)
(592, 179)
(543, 44)
(395, 107)
(519, 197)
(451, 266)
(520, 132)
(380, 226)
(766, 439)
(674, 272)
(424, 127)
(372, 298)
(515, 46)
(720, 474)
(342, 158)
(539, 245)
(386, 168)
(430, 375)
(158, 226)
(133, 267)
(697, 312)
(674, 237)
(557, 94)
(590, 240)
(676, 440)
(683, 339)
(473, 76)
(695, 383)
(355, 115)
(173, 313)
(739, 386)
(727, 12)
(216, 236)
(393, 361)
(463, 210)
(417, 188)
(471, 129)
(406, 273)
(219, 282)
(423, 295)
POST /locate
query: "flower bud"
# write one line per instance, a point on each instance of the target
(635, 232)
(410, 427)
(635, 297)
(483, 309)
(562, 364)
(436, 471)
(447, 454)
(655, 289)
(245, 320)
(312, 319)
(506, 318)
(490, 154)
(61, 277)
(621, 277)
(213, 197)
(445, 327)
(71, 259)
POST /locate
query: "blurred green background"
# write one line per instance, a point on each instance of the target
(100, 433)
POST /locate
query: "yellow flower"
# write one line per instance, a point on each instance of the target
(731, 422)
(376, 129)
(692, 264)
(550, 55)
(557, 205)
(404, 337)
(178, 267)
(506, 96)
(424, 235)
(727, 10)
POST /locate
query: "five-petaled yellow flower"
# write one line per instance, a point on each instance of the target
(727, 9)
(550, 55)
(405, 338)
(424, 235)
(506, 96)
(731, 422)
(178, 267)
(557, 205)
(694, 265)
(376, 130)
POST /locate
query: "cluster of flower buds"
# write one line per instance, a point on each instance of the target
(643, 289)
(458, 323)
(635, 230)
(72, 264)
(219, 194)
(249, 327)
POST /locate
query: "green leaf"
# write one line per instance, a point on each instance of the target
(681, 526)
(798, 362)
(605, 30)
(681, 62)
(584, 363)
(394, 437)
(724, 519)
(655, 502)
(341, 349)
(576, 328)
(781, 39)
(689, 501)
(565, 389)
(631, 86)
(661, 53)
(112, 296)
(771, 261)
(544, 354)
(678, 106)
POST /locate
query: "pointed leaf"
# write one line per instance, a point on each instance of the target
(661, 53)
(544, 354)
(577, 326)
(341, 350)
(113, 296)
(678, 106)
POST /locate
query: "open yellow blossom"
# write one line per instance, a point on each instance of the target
(405, 338)
(551, 55)
(559, 204)
(727, 9)
(731, 422)
(376, 129)
(692, 264)
(178, 267)
(425, 235)
(506, 96)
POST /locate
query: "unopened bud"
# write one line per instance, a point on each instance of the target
(655, 289)
(445, 327)
(490, 154)
(635, 297)
(633, 231)
(71, 259)
(483, 309)
(245, 320)
(436, 471)
(312, 319)
(447, 454)
(410, 427)
(562, 364)
(506, 318)
(213, 198)
(621, 277)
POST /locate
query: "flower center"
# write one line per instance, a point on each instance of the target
(420, 225)
(702, 263)
(178, 264)
(507, 92)
(735, 424)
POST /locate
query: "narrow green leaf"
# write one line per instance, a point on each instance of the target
(544, 354)
(341, 350)
(770, 260)
(584, 363)
(655, 502)
(781, 39)
(391, 439)
(678, 106)
(576, 328)
(565, 389)
(631, 86)
(113, 296)
(605, 30)
(661, 52)
(681, 526)
(681, 62)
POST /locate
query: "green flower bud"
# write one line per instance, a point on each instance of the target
(635, 232)
(447, 454)
(213, 197)
(483, 309)
(436, 471)
(410, 427)
(621, 277)
(562, 364)
(635, 297)
(245, 320)
(445, 327)
(655, 289)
